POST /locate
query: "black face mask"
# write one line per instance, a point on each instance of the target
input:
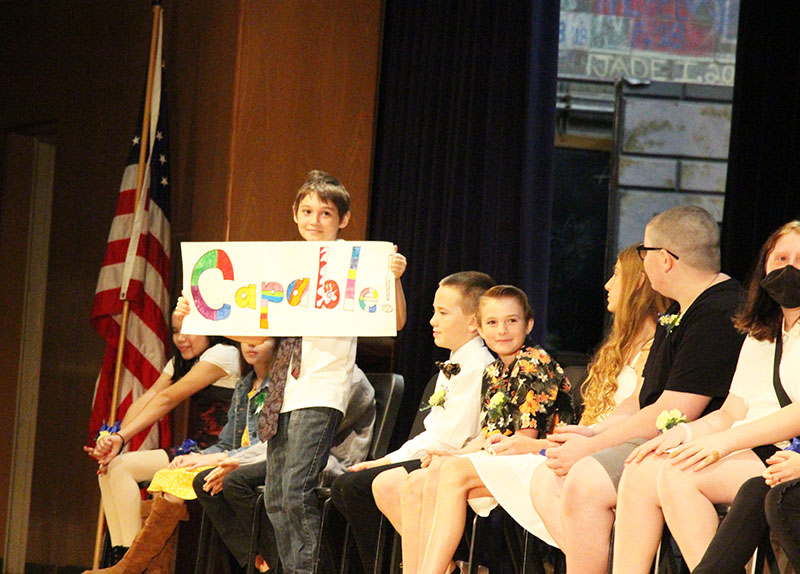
(783, 285)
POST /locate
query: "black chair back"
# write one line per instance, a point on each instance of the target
(418, 425)
(388, 395)
(576, 375)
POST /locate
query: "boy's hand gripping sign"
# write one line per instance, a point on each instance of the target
(289, 288)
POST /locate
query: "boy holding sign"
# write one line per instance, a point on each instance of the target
(303, 409)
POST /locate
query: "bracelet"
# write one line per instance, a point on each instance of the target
(688, 430)
(122, 438)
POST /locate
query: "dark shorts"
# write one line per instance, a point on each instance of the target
(613, 459)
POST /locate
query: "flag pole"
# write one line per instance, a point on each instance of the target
(143, 147)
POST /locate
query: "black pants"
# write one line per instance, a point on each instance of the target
(782, 507)
(755, 508)
(351, 493)
(231, 511)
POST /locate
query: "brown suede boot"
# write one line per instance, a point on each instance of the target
(156, 531)
(162, 563)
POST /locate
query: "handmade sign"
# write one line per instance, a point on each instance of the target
(289, 288)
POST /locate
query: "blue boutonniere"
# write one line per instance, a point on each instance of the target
(670, 322)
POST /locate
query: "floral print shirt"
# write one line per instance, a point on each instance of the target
(532, 393)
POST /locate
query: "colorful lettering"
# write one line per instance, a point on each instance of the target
(327, 290)
(296, 293)
(263, 321)
(214, 259)
(273, 292)
(246, 296)
(350, 289)
(368, 300)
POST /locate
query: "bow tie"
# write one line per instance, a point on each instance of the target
(449, 369)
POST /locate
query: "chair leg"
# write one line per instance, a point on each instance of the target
(203, 544)
(326, 505)
(344, 564)
(475, 540)
(765, 556)
(532, 562)
(381, 549)
(255, 534)
(396, 565)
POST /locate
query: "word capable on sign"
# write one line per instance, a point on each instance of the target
(289, 288)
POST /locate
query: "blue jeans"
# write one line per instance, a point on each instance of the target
(296, 456)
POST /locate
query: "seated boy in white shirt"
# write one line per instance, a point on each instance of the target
(447, 427)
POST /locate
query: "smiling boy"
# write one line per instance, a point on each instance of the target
(317, 372)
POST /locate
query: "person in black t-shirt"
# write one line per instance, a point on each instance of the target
(690, 368)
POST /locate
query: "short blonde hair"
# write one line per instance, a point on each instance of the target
(690, 233)
(472, 285)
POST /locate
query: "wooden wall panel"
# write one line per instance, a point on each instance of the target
(17, 177)
(306, 99)
(202, 44)
(260, 92)
(80, 68)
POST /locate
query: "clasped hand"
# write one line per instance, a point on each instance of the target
(518, 443)
(431, 455)
(784, 465)
(570, 444)
(214, 479)
(105, 449)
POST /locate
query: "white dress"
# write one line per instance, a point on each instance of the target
(508, 478)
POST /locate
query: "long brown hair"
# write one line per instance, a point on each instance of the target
(761, 316)
(638, 303)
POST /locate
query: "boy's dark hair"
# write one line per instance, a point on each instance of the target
(472, 285)
(327, 188)
(509, 292)
(761, 317)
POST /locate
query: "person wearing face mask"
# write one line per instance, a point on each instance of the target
(678, 476)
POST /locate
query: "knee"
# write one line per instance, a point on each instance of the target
(753, 488)
(117, 467)
(338, 488)
(781, 500)
(198, 482)
(387, 484)
(639, 479)
(579, 492)
(412, 487)
(673, 484)
(454, 473)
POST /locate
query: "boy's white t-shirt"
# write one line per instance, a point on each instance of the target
(326, 369)
(226, 357)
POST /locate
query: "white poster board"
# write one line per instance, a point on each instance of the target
(289, 288)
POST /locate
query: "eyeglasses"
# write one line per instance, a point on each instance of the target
(641, 249)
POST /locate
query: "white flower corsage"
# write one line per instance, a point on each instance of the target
(669, 322)
(668, 419)
(437, 399)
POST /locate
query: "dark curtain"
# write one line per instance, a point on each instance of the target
(464, 155)
(763, 186)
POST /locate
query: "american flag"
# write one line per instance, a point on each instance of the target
(138, 270)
